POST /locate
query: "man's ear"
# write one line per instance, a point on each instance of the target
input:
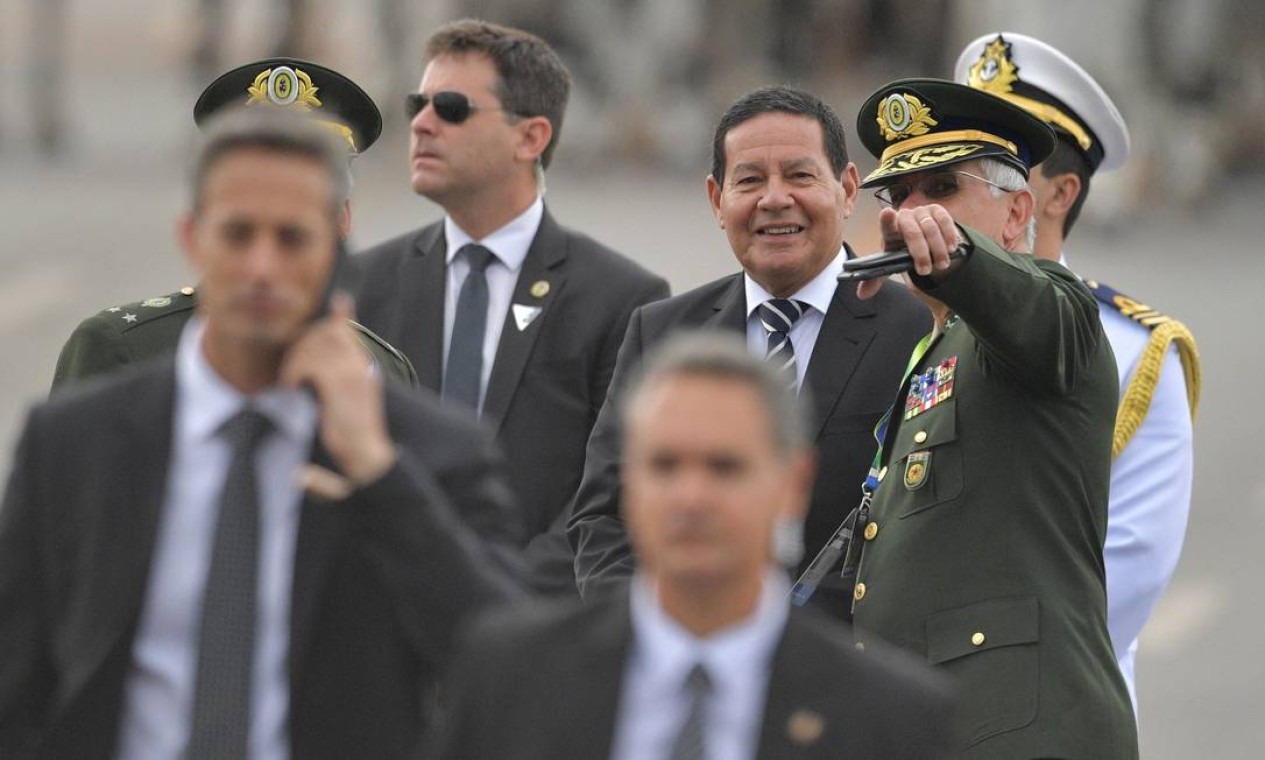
(851, 182)
(534, 132)
(186, 230)
(1064, 190)
(1022, 206)
(344, 220)
(713, 197)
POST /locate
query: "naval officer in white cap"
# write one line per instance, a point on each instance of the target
(1155, 355)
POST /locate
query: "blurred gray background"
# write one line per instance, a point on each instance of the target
(95, 125)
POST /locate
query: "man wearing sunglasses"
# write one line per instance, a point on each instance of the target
(502, 310)
(1158, 362)
(982, 548)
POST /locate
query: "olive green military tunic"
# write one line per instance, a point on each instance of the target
(982, 552)
(137, 332)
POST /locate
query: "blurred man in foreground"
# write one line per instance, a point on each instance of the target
(260, 550)
(705, 658)
(1156, 356)
(982, 551)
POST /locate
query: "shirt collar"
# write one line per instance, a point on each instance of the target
(509, 244)
(817, 292)
(207, 401)
(667, 651)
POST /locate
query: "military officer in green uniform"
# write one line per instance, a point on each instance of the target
(132, 333)
(982, 548)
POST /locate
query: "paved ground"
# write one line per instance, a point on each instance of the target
(96, 228)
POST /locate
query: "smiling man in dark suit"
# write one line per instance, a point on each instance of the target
(498, 306)
(781, 187)
(705, 658)
(258, 549)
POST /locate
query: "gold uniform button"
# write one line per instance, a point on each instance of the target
(858, 593)
(186, 291)
(871, 530)
(920, 436)
(860, 645)
(977, 638)
(882, 474)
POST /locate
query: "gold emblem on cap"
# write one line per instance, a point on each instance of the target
(902, 115)
(994, 71)
(286, 87)
(540, 288)
(805, 727)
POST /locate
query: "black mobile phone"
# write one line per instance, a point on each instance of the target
(884, 264)
(335, 283)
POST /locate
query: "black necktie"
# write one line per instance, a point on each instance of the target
(463, 377)
(778, 315)
(691, 742)
(226, 646)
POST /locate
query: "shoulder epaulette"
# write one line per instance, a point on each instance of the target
(1136, 399)
(137, 313)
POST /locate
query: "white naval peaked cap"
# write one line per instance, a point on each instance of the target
(1048, 84)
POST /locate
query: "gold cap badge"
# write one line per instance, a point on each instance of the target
(284, 86)
(994, 71)
(902, 115)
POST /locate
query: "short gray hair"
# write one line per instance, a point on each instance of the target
(725, 356)
(274, 130)
(1008, 179)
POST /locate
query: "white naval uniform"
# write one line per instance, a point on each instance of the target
(1150, 494)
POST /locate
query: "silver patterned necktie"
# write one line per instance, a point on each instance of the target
(226, 643)
(463, 377)
(691, 742)
(778, 316)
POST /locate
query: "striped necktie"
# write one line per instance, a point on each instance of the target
(778, 315)
(691, 742)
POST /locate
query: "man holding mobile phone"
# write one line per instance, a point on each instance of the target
(265, 550)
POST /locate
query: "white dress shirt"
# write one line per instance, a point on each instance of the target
(159, 688)
(817, 293)
(1150, 494)
(653, 702)
(509, 245)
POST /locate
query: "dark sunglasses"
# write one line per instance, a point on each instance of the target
(452, 107)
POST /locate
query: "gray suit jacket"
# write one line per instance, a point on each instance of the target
(544, 682)
(381, 579)
(548, 381)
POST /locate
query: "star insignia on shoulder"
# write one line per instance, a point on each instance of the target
(129, 317)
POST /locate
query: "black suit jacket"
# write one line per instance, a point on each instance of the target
(852, 377)
(548, 381)
(545, 682)
(381, 579)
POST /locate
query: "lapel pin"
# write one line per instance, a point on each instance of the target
(539, 289)
(525, 315)
(805, 727)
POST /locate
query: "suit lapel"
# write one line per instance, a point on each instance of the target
(544, 264)
(845, 335)
(323, 526)
(730, 308)
(423, 274)
(794, 713)
(136, 449)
